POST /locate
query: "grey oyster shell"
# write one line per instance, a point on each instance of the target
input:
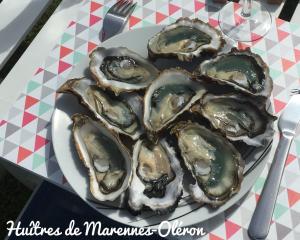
(242, 69)
(172, 93)
(119, 113)
(157, 177)
(108, 161)
(185, 39)
(121, 70)
(213, 161)
(238, 117)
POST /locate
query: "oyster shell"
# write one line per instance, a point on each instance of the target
(237, 117)
(107, 160)
(168, 96)
(118, 113)
(157, 177)
(121, 70)
(213, 161)
(185, 39)
(241, 69)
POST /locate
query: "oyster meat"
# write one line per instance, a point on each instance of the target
(121, 70)
(157, 177)
(118, 113)
(213, 161)
(237, 117)
(185, 39)
(241, 69)
(107, 160)
(168, 96)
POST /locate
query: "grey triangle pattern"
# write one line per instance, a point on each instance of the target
(49, 61)
(160, 4)
(145, 2)
(79, 42)
(147, 12)
(295, 40)
(186, 13)
(254, 24)
(52, 167)
(46, 92)
(278, 89)
(281, 230)
(270, 44)
(25, 135)
(80, 28)
(8, 147)
(48, 76)
(42, 124)
(13, 112)
(10, 129)
(51, 151)
(289, 79)
(272, 58)
(295, 216)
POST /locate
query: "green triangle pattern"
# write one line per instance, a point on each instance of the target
(77, 57)
(172, 20)
(38, 160)
(32, 86)
(258, 51)
(275, 73)
(297, 143)
(105, 10)
(44, 107)
(294, 26)
(279, 210)
(259, 184)
(146, 23)
(66, 37)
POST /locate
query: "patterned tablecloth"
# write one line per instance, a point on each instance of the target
(25, 132)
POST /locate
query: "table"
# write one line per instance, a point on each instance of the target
(25, 130)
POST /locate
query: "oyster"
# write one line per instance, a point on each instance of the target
(121, 70)
(168, 96)
(213, 161)
(185, 39)
(241, 69)
(118, 113)
(157, 177)
(103, 154)
(237, 117)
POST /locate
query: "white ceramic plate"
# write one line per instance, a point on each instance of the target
(187, 211)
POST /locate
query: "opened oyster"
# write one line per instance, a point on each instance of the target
(119, 113)
(237, 117)
(121, 70)
(212, 160)
(157, 177)
(241, 69)
(185, 39)
(168, 96)
(104, 155)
